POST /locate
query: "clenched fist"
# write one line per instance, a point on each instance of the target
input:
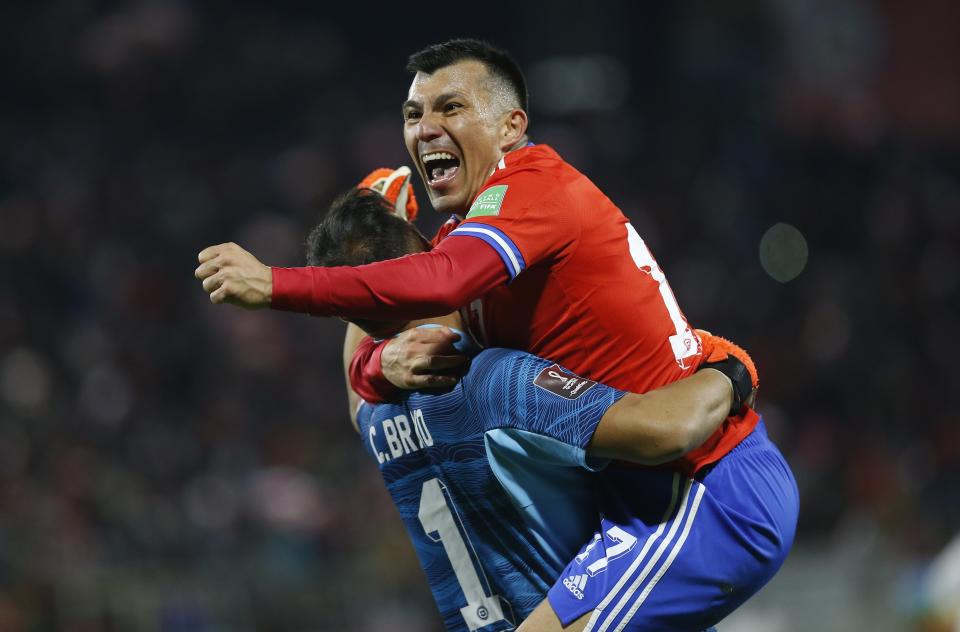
(230, 274)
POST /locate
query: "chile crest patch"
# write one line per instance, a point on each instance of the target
(562, 382)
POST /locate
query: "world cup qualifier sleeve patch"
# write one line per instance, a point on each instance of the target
(488, 202)
(563, 383)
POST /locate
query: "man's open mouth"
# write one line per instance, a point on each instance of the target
(440, 167)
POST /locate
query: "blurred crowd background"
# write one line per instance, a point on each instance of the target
(171, 466)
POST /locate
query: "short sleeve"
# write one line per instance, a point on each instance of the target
(515, 390)
(522, 213)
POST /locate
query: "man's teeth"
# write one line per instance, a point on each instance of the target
(440, 164)
(438, 155)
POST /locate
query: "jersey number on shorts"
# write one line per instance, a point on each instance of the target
(684, 343)
(623, 542)
(439, 524)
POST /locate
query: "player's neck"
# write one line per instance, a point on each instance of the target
(523, 142)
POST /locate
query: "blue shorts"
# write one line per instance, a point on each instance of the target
(674, 553)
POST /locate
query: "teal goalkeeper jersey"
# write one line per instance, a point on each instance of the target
(491, 480)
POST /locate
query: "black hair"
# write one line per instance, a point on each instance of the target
(360, 228)
(499, 63)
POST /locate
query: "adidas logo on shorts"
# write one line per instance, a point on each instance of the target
(576, 584)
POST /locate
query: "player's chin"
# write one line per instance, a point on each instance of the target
(452, 202)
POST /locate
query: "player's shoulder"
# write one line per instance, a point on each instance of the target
(369, 414)
(497, 359)
(526, 176)
(498, 370)
(531, 164)
(445, 229)
(541, 157)
(513, 389)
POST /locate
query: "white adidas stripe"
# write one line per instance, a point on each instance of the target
(666, 564)
(599, 613)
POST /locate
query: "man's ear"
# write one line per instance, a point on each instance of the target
(513, 130)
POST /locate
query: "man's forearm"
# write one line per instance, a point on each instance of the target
(664, 424)
(352, 339)
(416, 286)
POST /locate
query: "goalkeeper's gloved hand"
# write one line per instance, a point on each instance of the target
(731, 360)
(394, 185)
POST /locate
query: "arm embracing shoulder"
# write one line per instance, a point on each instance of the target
(664, 424)
(434, 283)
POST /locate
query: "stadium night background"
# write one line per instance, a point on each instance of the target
(169, 466)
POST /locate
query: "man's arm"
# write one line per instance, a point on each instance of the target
(351, 340)
(365, 374)
(666, 423)
(515, 390)
(416, 358)
(536, 222)
(416, 286)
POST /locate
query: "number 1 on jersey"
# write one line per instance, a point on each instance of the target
(436, 518)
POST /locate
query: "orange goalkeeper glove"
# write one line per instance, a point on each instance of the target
(394, 185)
(731, 360)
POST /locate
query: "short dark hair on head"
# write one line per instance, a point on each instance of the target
(360, 228)
(498, 62)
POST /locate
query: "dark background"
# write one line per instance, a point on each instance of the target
(167, 465)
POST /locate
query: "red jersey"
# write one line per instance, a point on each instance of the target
(582, 289)
(585, 291)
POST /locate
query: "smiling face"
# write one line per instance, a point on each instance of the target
(457, 126)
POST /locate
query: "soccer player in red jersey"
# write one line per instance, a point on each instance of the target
(560, 271)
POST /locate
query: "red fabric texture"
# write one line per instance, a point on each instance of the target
(416, 286)
(592, 297)
(366, 373)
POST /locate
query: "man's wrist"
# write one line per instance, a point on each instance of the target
(293, 290)
(735, 371)
(376, 380)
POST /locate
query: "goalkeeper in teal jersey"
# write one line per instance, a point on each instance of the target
(492, 477)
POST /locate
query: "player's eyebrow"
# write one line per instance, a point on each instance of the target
(442, 98)
(446, 96)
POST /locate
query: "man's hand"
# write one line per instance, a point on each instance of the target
(230, 274)
(423, 358)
